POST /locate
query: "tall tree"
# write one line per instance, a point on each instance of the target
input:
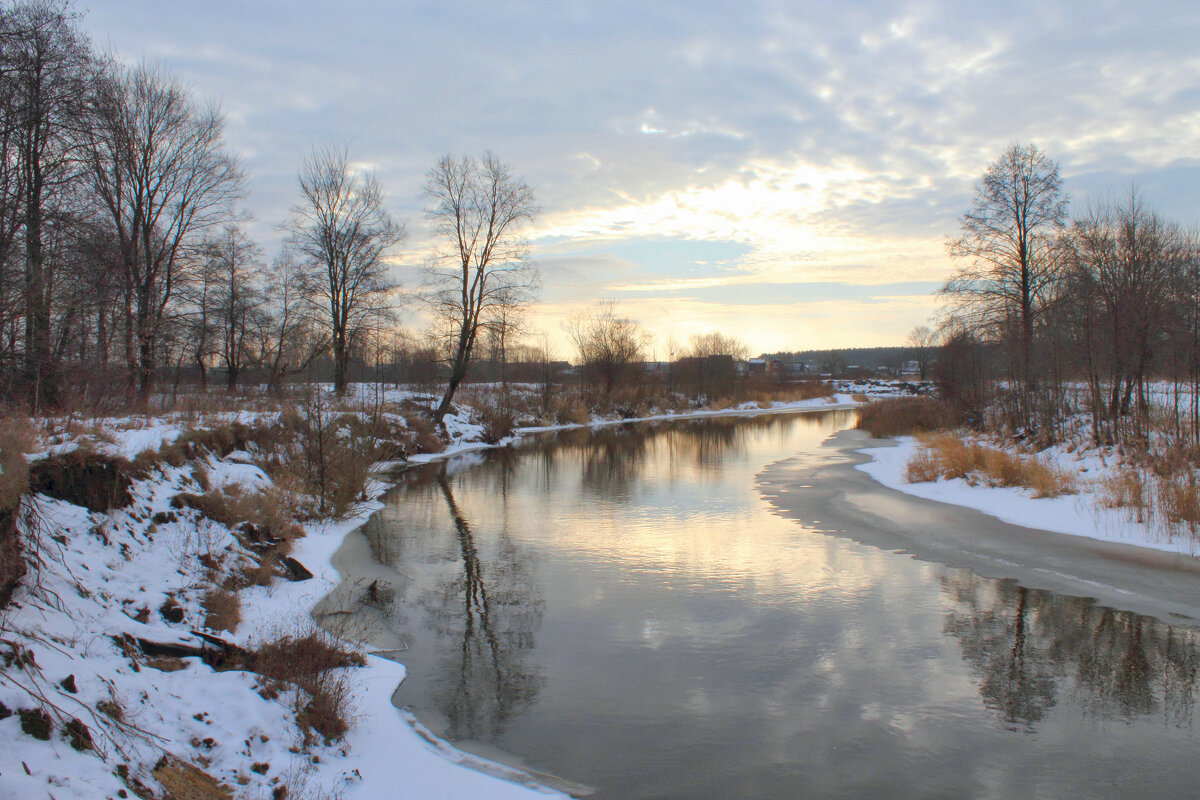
(343, 230)
(164, 179)
(1128, 265)
(237, 259)
(290, 339)
(1009, 239)
(479, 209)
(49, 74)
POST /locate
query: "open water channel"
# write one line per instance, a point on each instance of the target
(636, 609)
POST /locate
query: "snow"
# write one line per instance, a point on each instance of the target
(105, 568)
(1077, 515)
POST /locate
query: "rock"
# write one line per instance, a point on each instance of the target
(294, 570)
(36, 723)
(78, 735)
(68, 683)
(171, 611)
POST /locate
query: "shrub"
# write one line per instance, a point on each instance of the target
(308, 663)
(498, 422)
(422, 435)
(904, 416)
(571, 410)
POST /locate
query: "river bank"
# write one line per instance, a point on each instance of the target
(852, 501)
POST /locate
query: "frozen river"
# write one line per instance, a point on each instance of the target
(688, 610)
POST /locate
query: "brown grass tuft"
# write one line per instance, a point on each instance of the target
(222, 610)
(946, 456)
(904, 416)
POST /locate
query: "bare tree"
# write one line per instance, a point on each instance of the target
(164, 179)
(922, 340)
(198, 294)
(478, 209)
(232, 263)
(707, 345)
(1129, 265)
(607, 344)
(1009, 238)
(709, 363)
(344, 232)
(290, 339)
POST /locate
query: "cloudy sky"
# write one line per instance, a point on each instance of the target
(783, 171)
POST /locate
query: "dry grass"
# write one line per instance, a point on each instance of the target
(222, 610)
(904, 416)
(1170, 501)
(326, 454)
(946, 456)
(498, 422)
(569, 409)
(262, 516)
(1127, 488)
(422, 435)
(16, 438)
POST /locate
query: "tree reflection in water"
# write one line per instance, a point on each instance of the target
(1024, 644)
(489, 622)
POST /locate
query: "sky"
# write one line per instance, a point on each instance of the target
(784, 172)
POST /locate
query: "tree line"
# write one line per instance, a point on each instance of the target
(1050, 316)
(124, 260)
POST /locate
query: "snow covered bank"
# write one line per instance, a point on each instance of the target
(1080, 514)
(102, 716)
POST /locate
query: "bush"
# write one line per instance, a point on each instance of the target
(498, 421)
(905, 416)
(308, 663)
(571, 410)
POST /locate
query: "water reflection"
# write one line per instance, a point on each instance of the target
(490, 614)
(621, 607)
(1022, 644)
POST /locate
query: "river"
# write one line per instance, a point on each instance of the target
(674, 610)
